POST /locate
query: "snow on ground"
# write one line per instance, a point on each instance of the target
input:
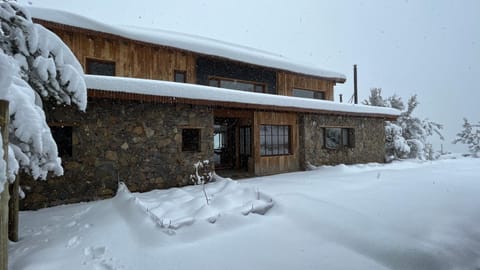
(404, 215)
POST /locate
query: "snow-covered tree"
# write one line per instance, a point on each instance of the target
(408, 136)
(35, 66)
(470, 135)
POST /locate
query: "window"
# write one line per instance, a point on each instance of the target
(308, 93)
(100, 67)
(245, 141)
(219, 137)
(336, 138)
(237, 85)
(191, 140)
(180, 76)
(63, 137)
(274, 140)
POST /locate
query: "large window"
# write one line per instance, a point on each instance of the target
(274, 140)
(303, 93)
(191, 140)
(336, 138)
(100, 67)
(237, 85)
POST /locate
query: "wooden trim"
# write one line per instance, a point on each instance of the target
(308, 89)
(93, 93)
(233, 113)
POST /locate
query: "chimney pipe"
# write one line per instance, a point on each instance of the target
(341, 98)
(355, 89)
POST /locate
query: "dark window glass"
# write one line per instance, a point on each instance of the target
(245, 141)
(100, 67)
(259, 88)
(180, 76)
(214, 83)
(63, 137)
(237, 85)
(308, 94)
(336, 138)
(274, 140)
(191, 140)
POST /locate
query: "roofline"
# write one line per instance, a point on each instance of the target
(108, 94)
(62, 26)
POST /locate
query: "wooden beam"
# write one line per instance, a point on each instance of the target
(4, 196)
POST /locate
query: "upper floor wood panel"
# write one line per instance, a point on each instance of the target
(132, 59)
(149, 61)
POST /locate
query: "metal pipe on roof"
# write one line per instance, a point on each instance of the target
(355, 89)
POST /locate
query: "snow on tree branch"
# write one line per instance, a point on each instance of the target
(470, 135)
(35, 65)
(408, 136)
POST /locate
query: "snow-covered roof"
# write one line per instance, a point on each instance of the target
(193, 43)
(214, 94)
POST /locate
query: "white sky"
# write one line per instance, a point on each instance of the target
(425, 47)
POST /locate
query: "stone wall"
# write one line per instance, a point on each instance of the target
(135, 142)
(369, 140)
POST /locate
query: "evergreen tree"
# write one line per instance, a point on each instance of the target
(408, 136)
(470, 135)
(35, 65)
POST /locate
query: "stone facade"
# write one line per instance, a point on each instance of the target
(139, 143)
(369, 134)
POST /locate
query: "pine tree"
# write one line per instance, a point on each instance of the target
(470, 135)
(35, 66)
(408, 136)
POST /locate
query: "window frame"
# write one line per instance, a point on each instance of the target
(345, 142)
(255, 85)
(89, 60)
(280, 143)
(192, 147)
(313, 91)
(180, 72)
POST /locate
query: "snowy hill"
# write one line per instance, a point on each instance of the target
(405, 215)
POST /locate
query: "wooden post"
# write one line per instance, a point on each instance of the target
(13, 205)
(4, 196)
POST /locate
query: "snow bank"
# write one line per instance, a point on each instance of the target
(187, 42)
(403, 215)
(176, 208)
(192, 91)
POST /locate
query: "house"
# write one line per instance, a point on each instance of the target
(159, 101)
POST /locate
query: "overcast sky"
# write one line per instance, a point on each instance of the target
(426, 47)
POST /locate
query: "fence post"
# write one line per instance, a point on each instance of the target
(4, 196)
(13, 205)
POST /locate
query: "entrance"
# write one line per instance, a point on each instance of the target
(232, 143)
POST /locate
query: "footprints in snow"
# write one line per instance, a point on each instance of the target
(97, 256)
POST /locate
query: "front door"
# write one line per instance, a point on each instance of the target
(224, 143)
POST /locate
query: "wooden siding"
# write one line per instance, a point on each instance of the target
(286, 81)
(132, 59)
(275, 164)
